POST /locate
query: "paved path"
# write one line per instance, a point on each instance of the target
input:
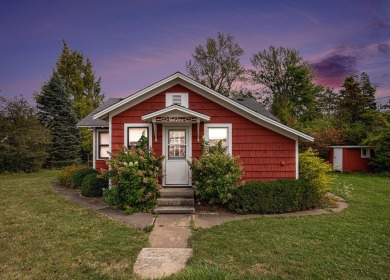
(168, 251)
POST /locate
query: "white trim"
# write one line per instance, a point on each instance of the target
(368, 152)
(94, 148)
(169, 99)
(110, 135)
(172, 108)
(97, 142)
(165, 127)
(296, 159)
(213, 95)
(220, 125)
(128, 125)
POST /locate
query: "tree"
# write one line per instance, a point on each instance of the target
(217, 63)
(355, 109)
(23, 140)
(55, 112)
(79, 81)
(84, 89)
(288, 87)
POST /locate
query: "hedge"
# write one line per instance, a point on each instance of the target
(78, 177)
(280, 196)
(92, 186)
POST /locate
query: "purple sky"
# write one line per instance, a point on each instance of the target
(135, 43)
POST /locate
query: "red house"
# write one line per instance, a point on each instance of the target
(348, 159)
(177, 112)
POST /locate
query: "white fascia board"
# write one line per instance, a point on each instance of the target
(165, 83)
(135, 96)
(265, 119)
(176, 108)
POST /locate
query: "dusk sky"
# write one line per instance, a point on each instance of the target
(133, 44)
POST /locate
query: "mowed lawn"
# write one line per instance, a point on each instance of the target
(353, 244)
(43, 236)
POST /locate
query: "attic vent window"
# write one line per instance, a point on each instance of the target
(176, 99)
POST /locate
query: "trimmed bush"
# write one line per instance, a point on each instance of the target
(78, 177)
(280, 196)
(316, 172)
(66, 175)
(92, 185)
(215, 174)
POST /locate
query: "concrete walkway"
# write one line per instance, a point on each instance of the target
(168, 252)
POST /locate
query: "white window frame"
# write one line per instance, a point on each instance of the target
(220, 125)
(98, 131)
(135, 125)
(367, 153)
(169, 99)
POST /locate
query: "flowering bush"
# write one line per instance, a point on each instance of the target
(215, 174)
(134, 175)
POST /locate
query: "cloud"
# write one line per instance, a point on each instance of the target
(333, 69)
(384, 48)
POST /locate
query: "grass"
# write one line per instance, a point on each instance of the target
(43, 236)
(353, 244)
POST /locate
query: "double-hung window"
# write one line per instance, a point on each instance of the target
(134, 132)
(103, 145)
(219, 133)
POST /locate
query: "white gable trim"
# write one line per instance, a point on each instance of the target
(211, 94)
(172, 108)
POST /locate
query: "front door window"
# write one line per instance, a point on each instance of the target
(177, 144)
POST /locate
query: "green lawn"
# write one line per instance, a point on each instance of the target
(353, 244)
(43, 236)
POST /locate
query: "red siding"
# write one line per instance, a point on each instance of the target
(100, 164)
(266, 155)
(353, 162)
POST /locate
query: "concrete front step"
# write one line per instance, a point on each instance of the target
(175, 201)
(174, 210)
(177, 192)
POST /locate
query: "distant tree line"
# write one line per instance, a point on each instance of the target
(286, 84)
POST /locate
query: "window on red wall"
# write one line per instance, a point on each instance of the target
(103, 145)
(134, 135)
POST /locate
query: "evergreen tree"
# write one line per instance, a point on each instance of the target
(56, 113)
(355, 98)
(83, 87)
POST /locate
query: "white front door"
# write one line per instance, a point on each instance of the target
(177, 150)
(338, 159)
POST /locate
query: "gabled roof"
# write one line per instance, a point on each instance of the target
(252, 104)
(89, 121)
(176, 109)
(245, 107)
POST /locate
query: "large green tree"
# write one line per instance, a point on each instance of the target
(355, 109)
(83, 87)
(217, 63)
(288, 84)
(23, 140)
(56, 113)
